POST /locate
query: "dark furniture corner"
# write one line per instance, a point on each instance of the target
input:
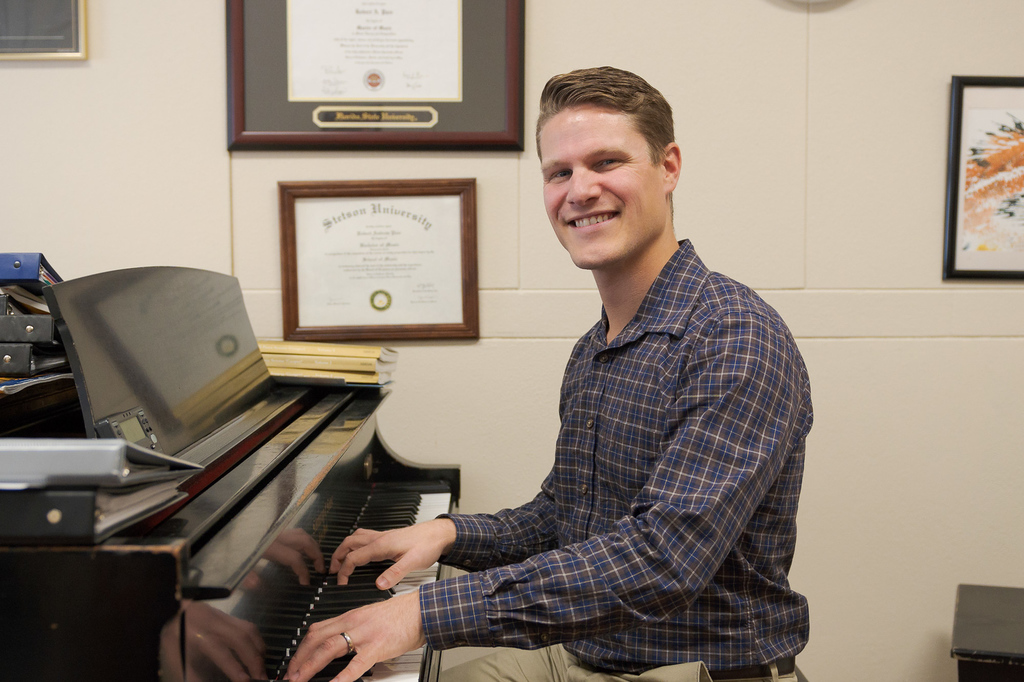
(988, 634)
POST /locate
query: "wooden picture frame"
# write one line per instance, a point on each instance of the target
(382, 260)
(265, 114)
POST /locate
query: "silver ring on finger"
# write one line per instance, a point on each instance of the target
(348, 640)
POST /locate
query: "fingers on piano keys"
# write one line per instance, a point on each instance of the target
(300, 606)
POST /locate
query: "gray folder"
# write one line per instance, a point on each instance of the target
(84, 463)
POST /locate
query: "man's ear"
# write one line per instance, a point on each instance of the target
(671, 165)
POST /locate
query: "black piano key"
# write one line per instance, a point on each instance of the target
(335, 667)
(338, 605)
(352, 596)
(386, 515)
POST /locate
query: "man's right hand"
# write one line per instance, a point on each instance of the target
(412, 548)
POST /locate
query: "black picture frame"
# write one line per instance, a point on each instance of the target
(489, 116)
(983, 190)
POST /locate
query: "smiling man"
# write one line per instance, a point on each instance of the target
(608, 197)
(660, 543)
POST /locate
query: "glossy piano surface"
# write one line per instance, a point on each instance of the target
(168, 354)
(117, 610)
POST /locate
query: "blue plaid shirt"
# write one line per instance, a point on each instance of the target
(666, 528)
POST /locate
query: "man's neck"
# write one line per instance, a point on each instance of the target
(623, 292)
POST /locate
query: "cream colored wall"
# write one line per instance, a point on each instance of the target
(815, 146)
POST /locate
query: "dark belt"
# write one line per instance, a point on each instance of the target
(784, 665)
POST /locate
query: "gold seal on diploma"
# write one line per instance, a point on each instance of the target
(373, 80)
(380, 300)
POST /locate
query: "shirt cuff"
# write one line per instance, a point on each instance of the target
(474, 546)
(454, 614)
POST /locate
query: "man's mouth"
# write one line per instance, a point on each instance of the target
(591, 220)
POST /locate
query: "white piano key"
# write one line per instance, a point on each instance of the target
(433, 504)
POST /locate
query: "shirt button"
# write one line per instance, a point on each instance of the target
(584, 489)
(544, 637)
(603, 358)
(590, 423)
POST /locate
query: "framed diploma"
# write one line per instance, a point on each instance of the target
(385, 259)
(42, 29)
(375, 74)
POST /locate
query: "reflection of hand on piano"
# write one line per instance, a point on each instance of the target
(378, 632)
(291, 548)
(217, 646)
(412, 548)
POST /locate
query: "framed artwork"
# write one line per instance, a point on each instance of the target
(375, 74)
(383, 259)
(42, 29)
(985, 190)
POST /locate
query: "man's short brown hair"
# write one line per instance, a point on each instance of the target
(614, 89)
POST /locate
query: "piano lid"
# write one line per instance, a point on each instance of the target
(162, 356)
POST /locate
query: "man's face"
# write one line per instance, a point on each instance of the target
(608, 203)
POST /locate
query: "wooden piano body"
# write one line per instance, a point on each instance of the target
(163, 598)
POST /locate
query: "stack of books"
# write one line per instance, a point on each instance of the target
(310, 362)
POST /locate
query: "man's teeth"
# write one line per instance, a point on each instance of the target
(584, 222)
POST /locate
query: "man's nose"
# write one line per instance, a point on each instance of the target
(583, 187)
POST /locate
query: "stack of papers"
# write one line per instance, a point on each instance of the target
(310, 362)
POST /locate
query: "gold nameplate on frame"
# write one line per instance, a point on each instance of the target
(374, 117)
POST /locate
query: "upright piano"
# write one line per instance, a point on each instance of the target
(211, 586)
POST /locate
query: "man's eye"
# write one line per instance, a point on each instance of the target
(558, 175)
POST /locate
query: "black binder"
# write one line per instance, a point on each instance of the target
(36, 329)
(27, 359)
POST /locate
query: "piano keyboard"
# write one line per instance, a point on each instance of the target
(297, 607)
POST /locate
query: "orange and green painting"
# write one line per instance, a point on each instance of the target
(993, 207)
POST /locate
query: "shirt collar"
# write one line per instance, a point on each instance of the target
(668, 303)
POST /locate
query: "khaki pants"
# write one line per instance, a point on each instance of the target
(555, 664)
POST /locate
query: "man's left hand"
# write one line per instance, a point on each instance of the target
(378, 632)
